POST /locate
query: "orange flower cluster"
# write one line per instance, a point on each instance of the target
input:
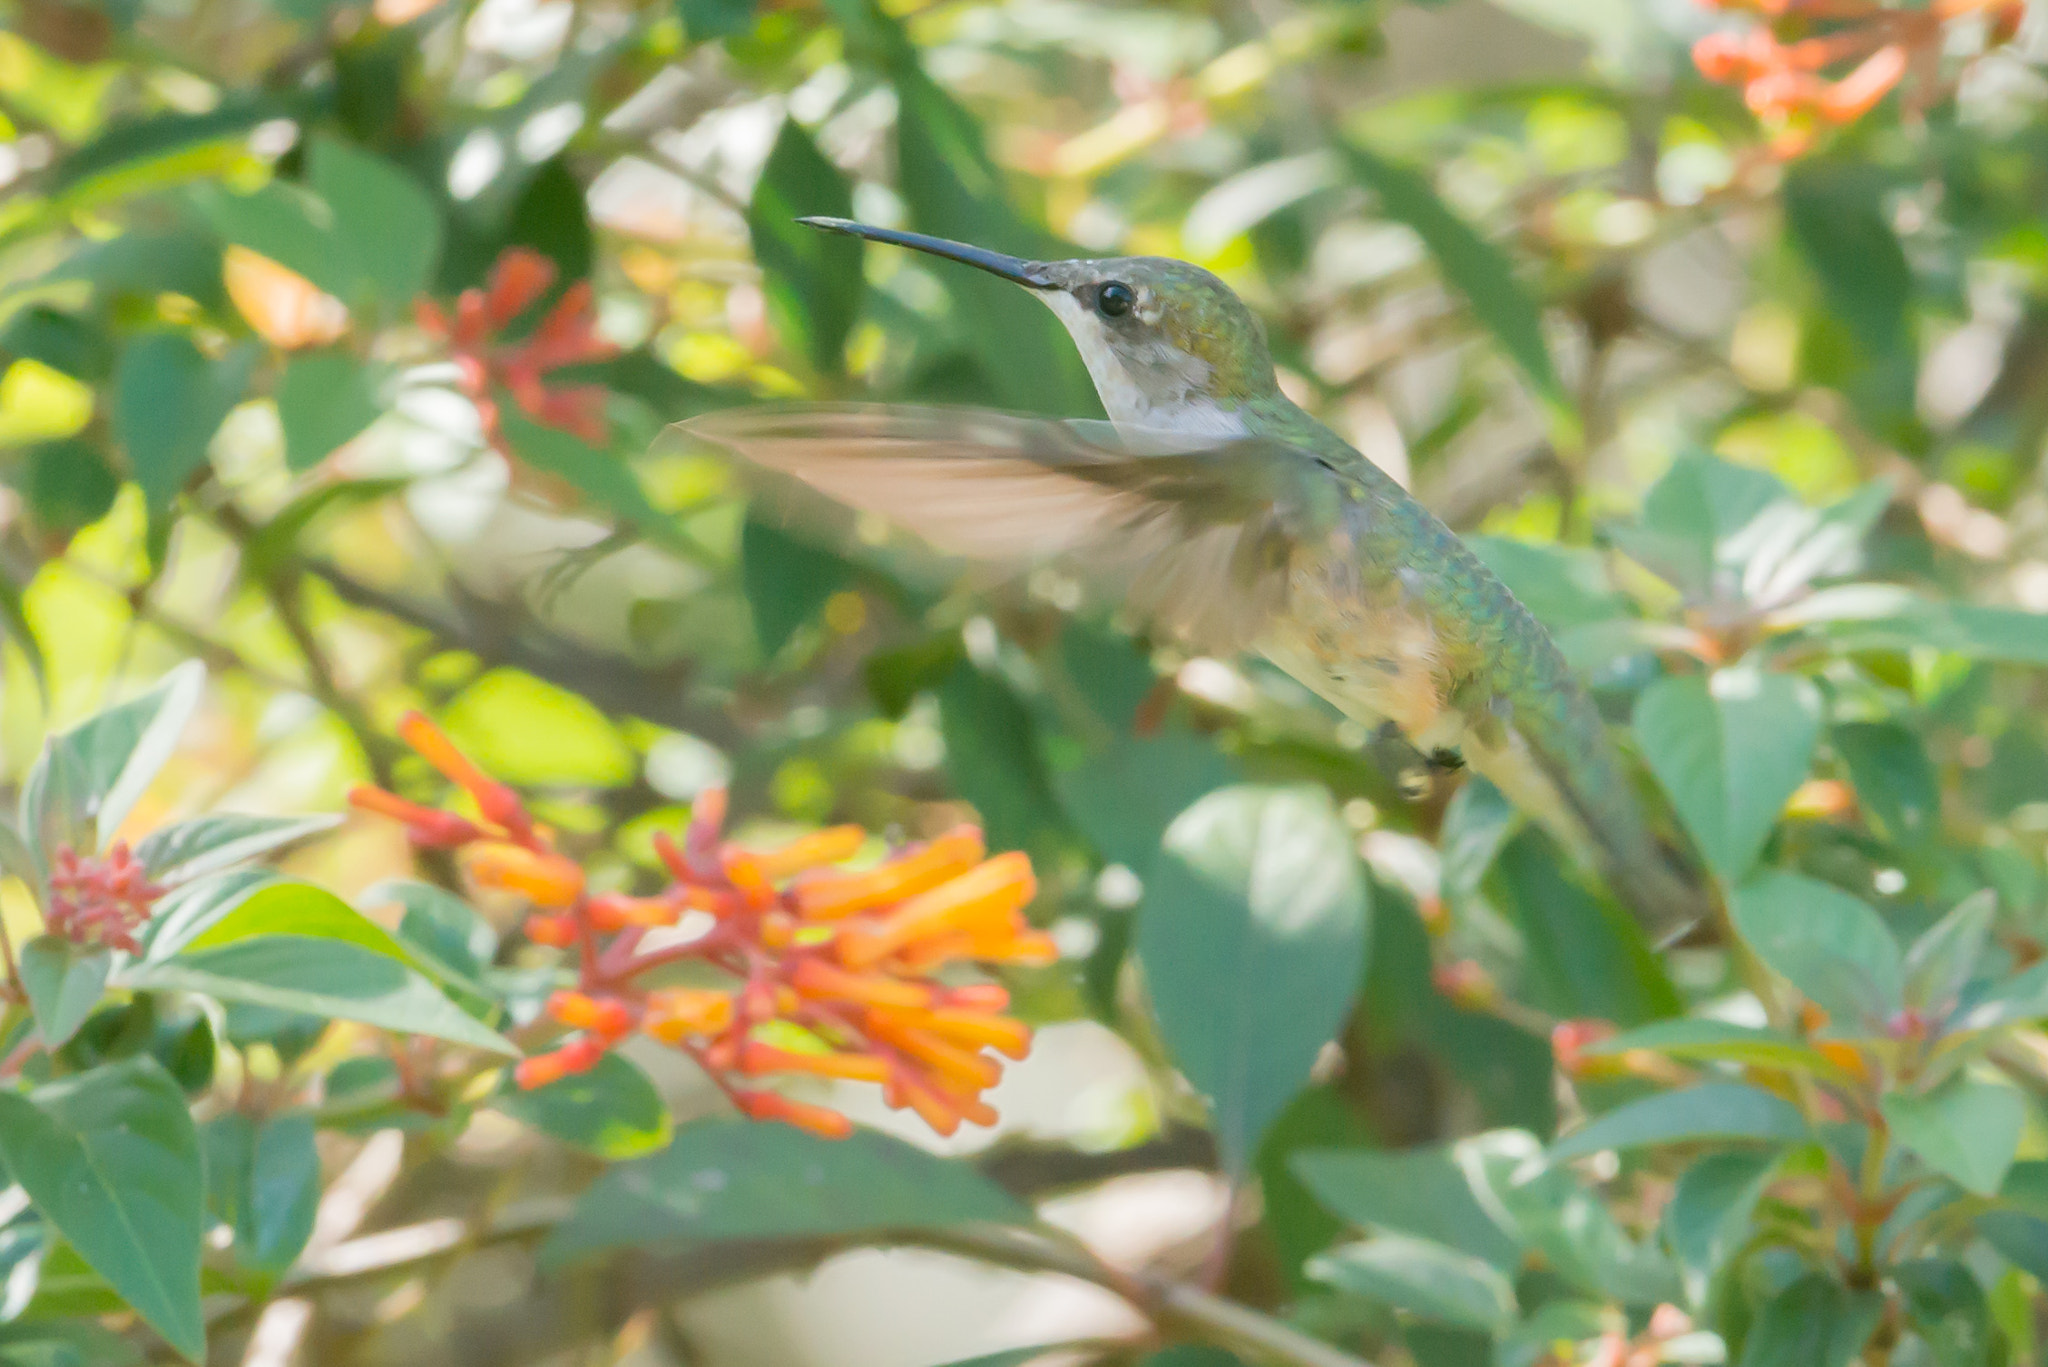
(565, 337)
(1782, 66)
(832, 968)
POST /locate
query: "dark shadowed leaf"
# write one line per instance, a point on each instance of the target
(1829, 945)
(1253, 933)
(813, 278)
(263, 1181)
(786, 580)
(1814, 1322)
(1585, 957)
(324, 400)
(1729, 750)
(707, 19)
(1948, 1310)
(111, 1159)
(728, 1179)
(1894, 780)
(992, 756)
(612, 1111)
(169, 400)
(1836, 215)
(1712, 1110)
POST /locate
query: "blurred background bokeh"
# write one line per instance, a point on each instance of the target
(1524, 254)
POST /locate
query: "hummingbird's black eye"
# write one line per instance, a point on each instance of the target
(1115, 299)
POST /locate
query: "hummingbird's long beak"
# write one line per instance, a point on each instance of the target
(1027, 273)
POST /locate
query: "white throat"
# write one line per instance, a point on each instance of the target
(1167, 394)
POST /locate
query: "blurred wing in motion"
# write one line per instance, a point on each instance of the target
(1197, 539)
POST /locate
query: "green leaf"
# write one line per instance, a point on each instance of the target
(263, 1181)
(437, 924)
(1253, 932)
(528, 731)
(1948, 954)
(190, 908)
(1814, 1322)
(734, 1179)
(1695, 522)
(64, 983)
(1894, 779)
(88, 779)
(612, 1111)
(1425, 1192)
(1124, 796)
(1423, 1278)
(786, 580)
(1708, 1217)
(288, 224)
(184, 850)
(2020, 1237)
(324, 400)
(389, 223)
(704, 20)
(1729, 751)
(603, 478)
(1963, 1129)
(953, 189)
(1948, 1310)
(1585, 956)
(993, 758)
(1829, 945)
(1712, 1110)
(322, 977)
(1470, 264)
(1871, 617)
(169, 400)
(1835, 214)
(1713, 1041)
(111, 1159)
(813, 278)
(69, 485)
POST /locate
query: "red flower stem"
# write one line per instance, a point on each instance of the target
(618, 954)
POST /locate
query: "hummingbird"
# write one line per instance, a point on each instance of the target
(1228, 517)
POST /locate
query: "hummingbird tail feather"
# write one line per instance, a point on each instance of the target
(1585, 801)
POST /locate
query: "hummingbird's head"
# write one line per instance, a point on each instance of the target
(1167, 343)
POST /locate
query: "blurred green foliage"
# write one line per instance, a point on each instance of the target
(1755, 427)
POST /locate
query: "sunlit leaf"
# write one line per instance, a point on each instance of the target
(1828, 944)
(111, 1159)
(1729, 750)
(611, 1111)
(1253, 934)
(1422, 1278)
(1712, 1110)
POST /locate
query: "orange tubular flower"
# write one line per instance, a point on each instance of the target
(545, 879)
(1784, 74)
(841, 957)
(833, 895)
